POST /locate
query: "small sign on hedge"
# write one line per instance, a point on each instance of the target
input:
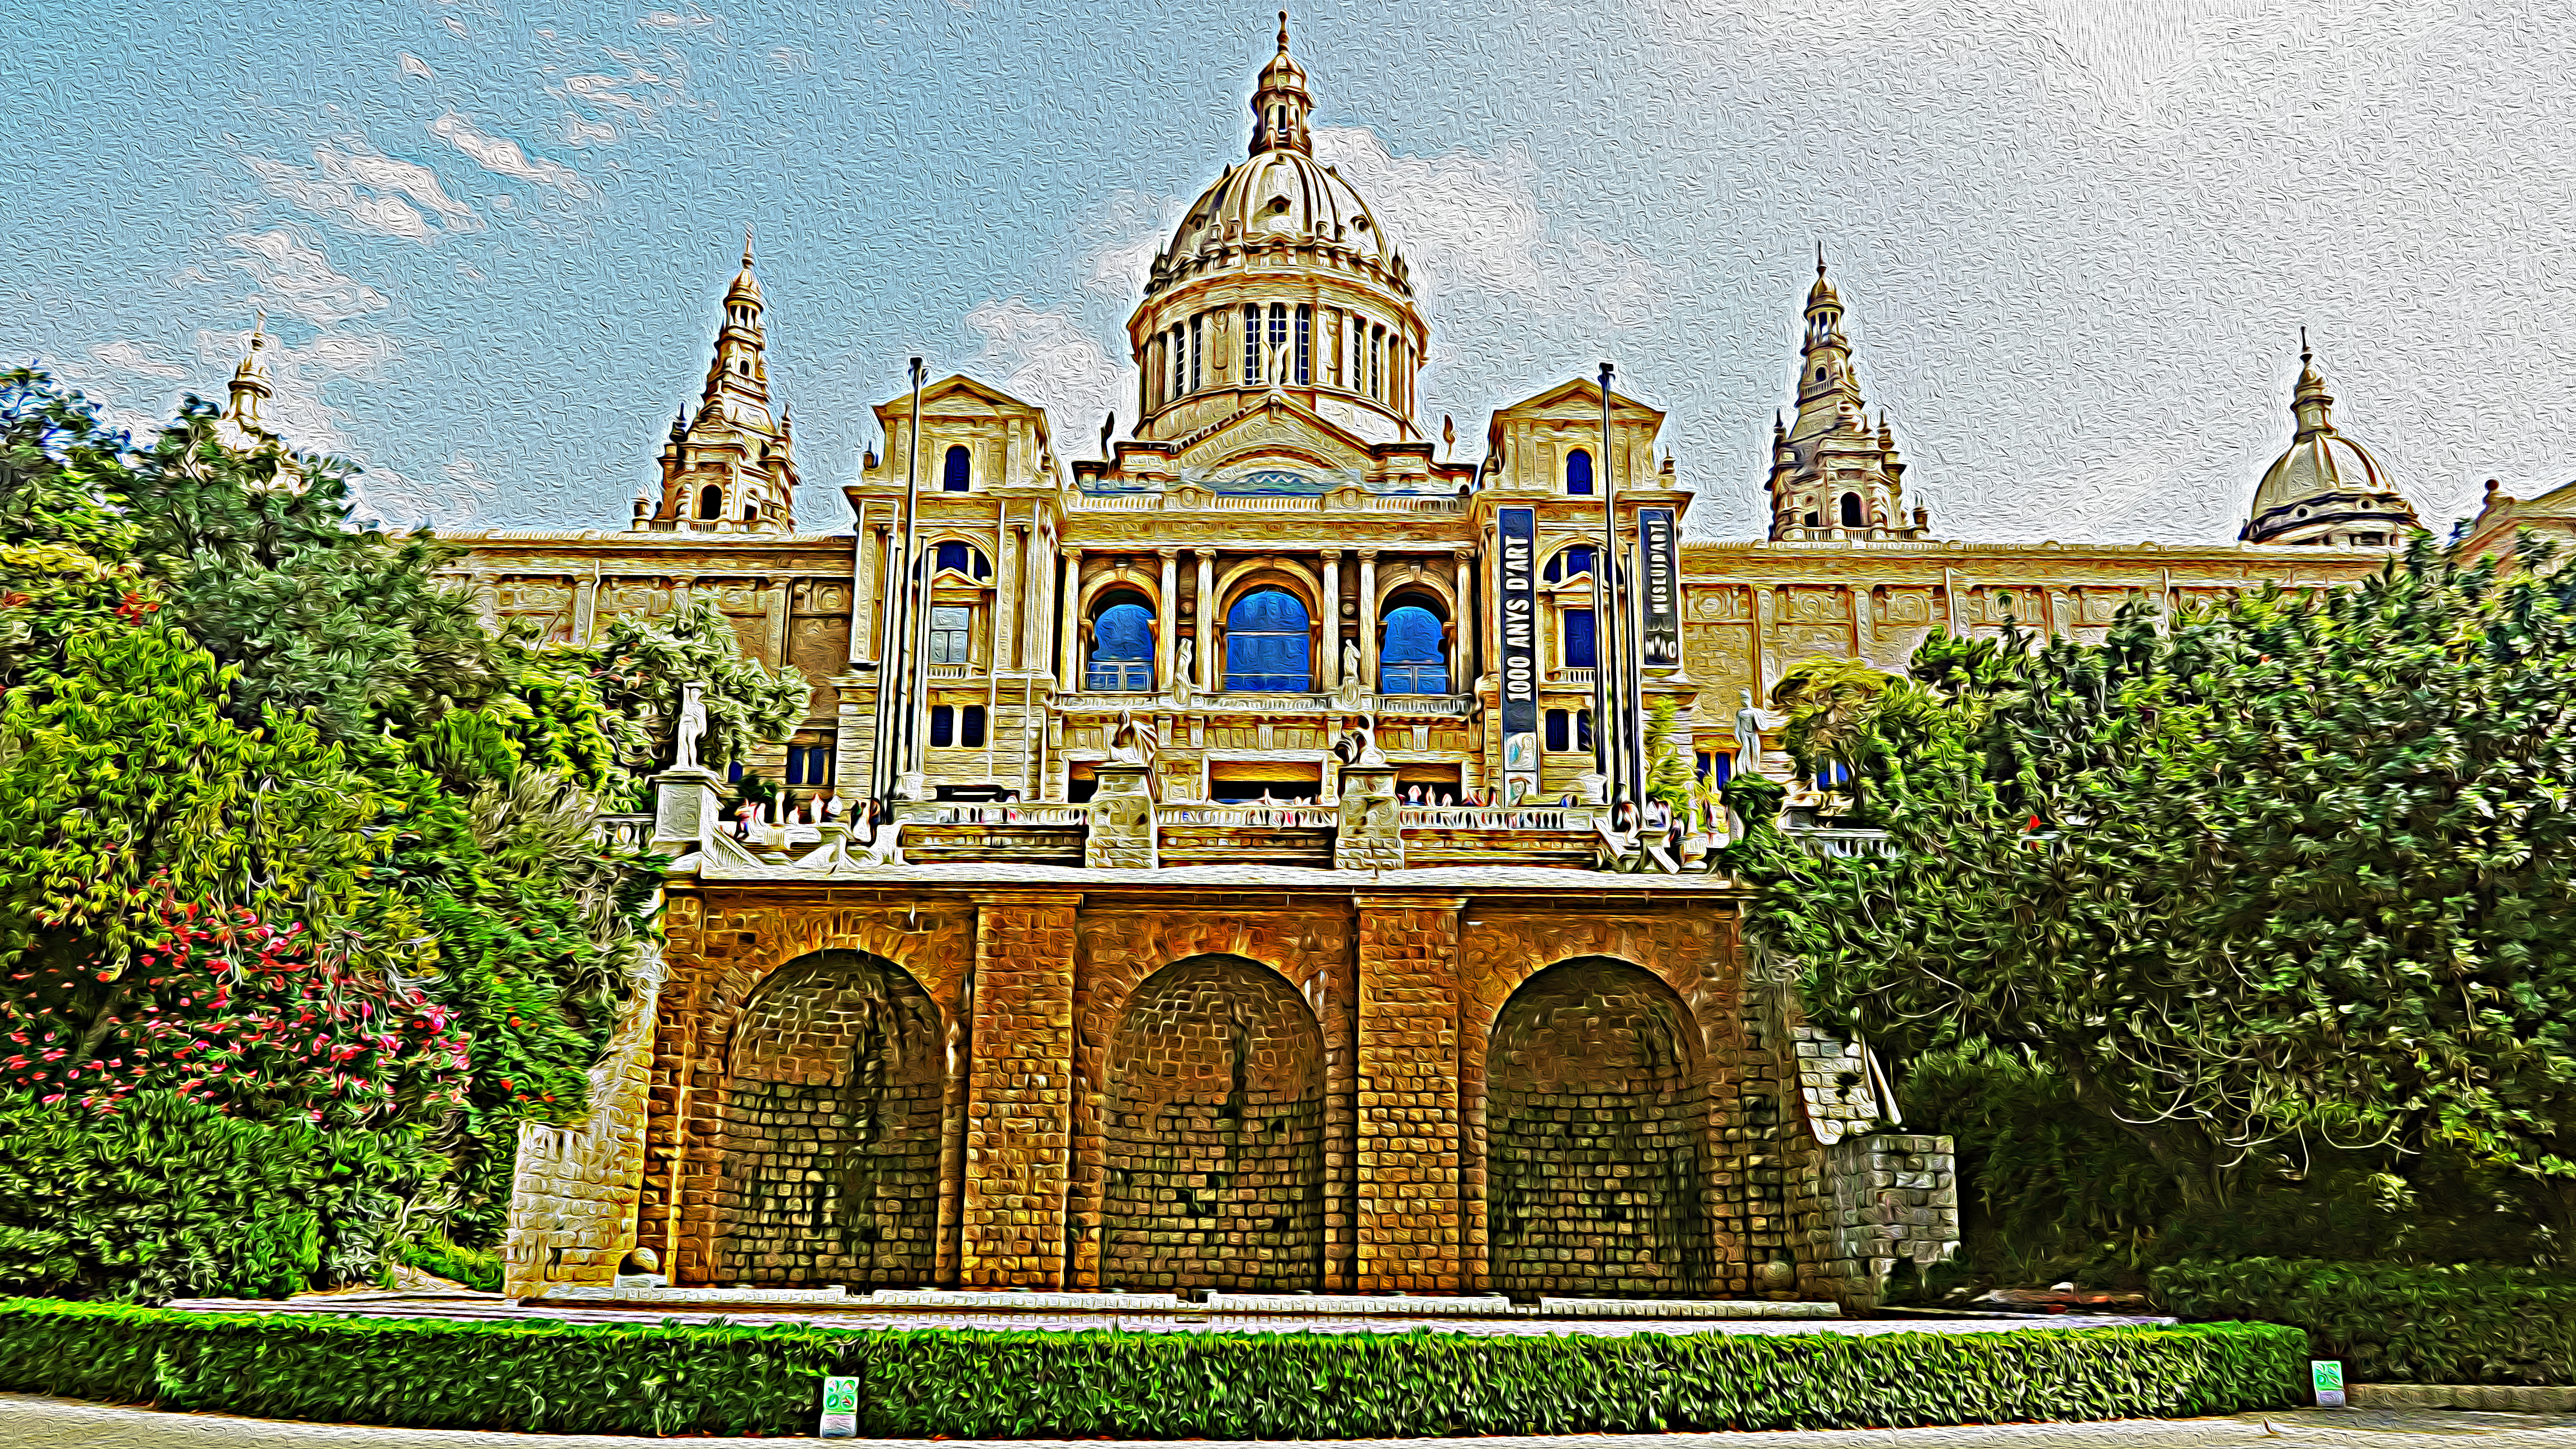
(840, 1408)
(2326, 1374)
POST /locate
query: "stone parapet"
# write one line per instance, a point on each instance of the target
(573, 1191)
(1869, 1202)
(1019, 1094)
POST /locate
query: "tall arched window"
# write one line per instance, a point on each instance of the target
(1851, 511)
(960, 470)
(1122, 646)
(1411, 661)
(1578, 471)
(1568, 563)
(961, 558)
(1305, 344)
(1266, 644)
(711, 502)
(1251, 342)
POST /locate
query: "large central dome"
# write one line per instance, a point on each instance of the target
(1279, 280)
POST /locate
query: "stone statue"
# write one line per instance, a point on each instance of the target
(693, 726)
(1748, 736)
(1358, 745)
(1132, 742)
(1349, 692)
(1181, 661)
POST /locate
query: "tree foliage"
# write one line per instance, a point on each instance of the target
(2290, 877)
(643, 660)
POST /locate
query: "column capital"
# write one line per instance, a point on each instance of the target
(1167, 552)
(1368, 555)
(1333, 555)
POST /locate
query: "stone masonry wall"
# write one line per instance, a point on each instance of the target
(1694, 954)
(1213, 1148)
(1410, 1235)
(1019, 1093)
(832, 1118)
(1123, 942)
(1866, 1202)
(1597, 1124)
(573, 1189)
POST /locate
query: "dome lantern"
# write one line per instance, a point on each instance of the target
(1280, 102)
(2326, 487)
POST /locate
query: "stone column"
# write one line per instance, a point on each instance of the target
(1071, 641)
(1206, 636)
(1019, 1092)
(1410, 1236)
(1014, 540)
(585, 607)
(1368, 619)
(1168, 627)
(1330, 674)
(776, 604)
(1464, 654)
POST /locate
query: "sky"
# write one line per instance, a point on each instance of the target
(2076, 239)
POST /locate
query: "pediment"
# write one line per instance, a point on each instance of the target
(1276, 434)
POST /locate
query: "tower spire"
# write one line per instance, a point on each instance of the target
(730, 466)
(244, 423)
(1280, 103)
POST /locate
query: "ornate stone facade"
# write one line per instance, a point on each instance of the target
(1169, 995)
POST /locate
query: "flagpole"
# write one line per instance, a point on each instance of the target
(894, 743)
(1607, 731)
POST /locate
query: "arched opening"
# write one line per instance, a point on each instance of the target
(1412, 657)
(963, 559)
(1267, 643)
(1573, 562)
(958, 470)
(1596, 1123)
(711, 502)
(1852, 516)
(1213, 1146)
(1578, 471)
(831, 1128)
(1121, 660)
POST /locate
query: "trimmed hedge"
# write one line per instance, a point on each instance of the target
(2392, 1323)
(713, 1379)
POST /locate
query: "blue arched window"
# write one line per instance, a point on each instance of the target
(961, 558)
(959, 471)
(1122, 647)
(1578, 472)
(1411, 662)
(1569, 563)
(1266, 645)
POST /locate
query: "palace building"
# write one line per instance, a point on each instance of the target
(1160, 989)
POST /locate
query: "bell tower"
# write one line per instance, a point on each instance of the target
(1834, 476)
(730, 467)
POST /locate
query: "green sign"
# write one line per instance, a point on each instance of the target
(2326, 1375)
(840, 1408)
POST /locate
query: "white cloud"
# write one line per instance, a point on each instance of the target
(298, 375)
(1045, 357)
(455, 497)
(300, 279)
(415, 66)
(692, 18)
(369, 191)
(502, 157)
(651, 87)
(1472, 224)
(578, 132)
(112, 359)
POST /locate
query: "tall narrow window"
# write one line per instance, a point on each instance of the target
(1279, 335)
(1198, 337)
(711, 502)
(1267, 643)
(1583, 729)
(970, 727)
(1579, 652)
(1560, 731)
(1355, 354)
(943, 725)
(1377, 363)
(1578, 471)
(1411, 661)
(1180, 361)
(1251, 343)
(1851, 511)
(1305, 345)
(959, 471)
(950, 626)
(1122, 647)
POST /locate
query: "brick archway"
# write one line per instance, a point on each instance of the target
(1597, 1155)
(829, 1130)
(1213, 1144)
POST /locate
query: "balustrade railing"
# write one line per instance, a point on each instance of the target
(623, 832)
(1495, 817)
(1285, 817)
(998, 813)
(1842, 844)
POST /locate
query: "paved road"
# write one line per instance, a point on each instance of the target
(30, 1423)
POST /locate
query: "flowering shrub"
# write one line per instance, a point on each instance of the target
(239, 1014)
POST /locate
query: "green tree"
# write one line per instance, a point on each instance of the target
(643, 660)
(2291, 877)
(1669, 773)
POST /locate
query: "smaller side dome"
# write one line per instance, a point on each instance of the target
(2326, 487)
